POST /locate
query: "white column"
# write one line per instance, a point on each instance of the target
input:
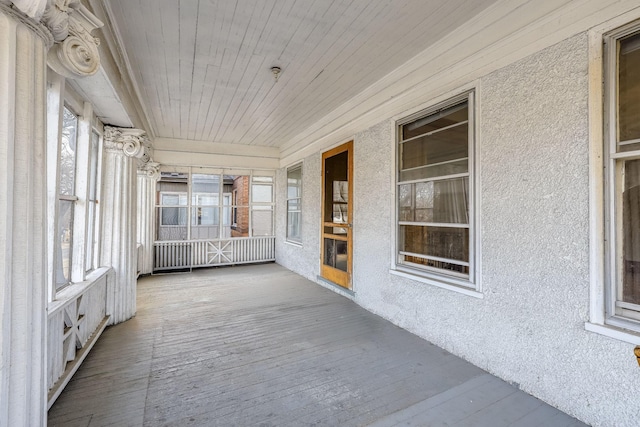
(122, 147)
(23, 242)
(148, 174)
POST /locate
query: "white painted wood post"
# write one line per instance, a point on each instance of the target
(28, 29)
(23, 231)
(148, 175)
(118, 244)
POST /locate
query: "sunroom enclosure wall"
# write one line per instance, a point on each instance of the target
(208, 216)
(525, 322)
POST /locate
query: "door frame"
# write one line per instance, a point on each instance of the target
(334, 275)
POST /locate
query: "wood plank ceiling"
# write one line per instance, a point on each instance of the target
(202, 67)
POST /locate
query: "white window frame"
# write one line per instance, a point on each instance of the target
(618, 313)
(199, 205)
(93, 208)
(227, 212)
(296, 241)
(85, 209)
(267, 181)
(602, 317)
(470, 285)
(234, 208)
(74, 240)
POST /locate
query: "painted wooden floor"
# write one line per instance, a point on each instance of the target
(261, 346)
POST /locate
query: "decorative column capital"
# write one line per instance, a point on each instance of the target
(66, 27)
(57, 16)
(150, 170)
(130, 142)
(147, 151)
(75, 53)
(146, 166)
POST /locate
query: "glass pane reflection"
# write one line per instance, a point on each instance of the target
(335, 254)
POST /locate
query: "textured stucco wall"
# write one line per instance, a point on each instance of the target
(535, 239)
(534, 231)
(373, 181)
(534, 185)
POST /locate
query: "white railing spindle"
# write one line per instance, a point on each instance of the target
(204, 253)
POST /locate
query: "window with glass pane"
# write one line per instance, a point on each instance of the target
(68, 153)
(262, 206)
(294, 204)
(64, 248)
(623, 190)
(174, 211)
(172, 206)
(200, 206)
(434, 191)
(205, 202)
(91, 205)
(262, 221)
(66, 198)
(237, 187)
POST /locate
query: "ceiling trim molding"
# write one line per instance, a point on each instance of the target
(189, 158)
(180, 152)
(208, 147)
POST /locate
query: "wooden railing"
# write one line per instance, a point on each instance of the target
(183, 254)
(76, 319)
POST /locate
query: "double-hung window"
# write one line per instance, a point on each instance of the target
(66, 198)
(77, 188)
(92, 202)
(294, 204)
(435, 193)
(622, 177)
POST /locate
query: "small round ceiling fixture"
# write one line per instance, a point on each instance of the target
(276, 72)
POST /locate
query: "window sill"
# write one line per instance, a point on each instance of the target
(438, 283)
(72, 290)
(614, 332)
(292, 243)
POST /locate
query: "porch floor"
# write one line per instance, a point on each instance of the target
(260, 345)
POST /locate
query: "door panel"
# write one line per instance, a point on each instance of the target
(337, 214)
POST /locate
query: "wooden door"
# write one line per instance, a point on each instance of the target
(337, 215)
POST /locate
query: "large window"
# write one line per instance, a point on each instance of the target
(77, 186)
(435, 227)
(622, 172)
(203, 206)
(205, 200)
(294, 204)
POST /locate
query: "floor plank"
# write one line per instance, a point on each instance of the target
(260, 345)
